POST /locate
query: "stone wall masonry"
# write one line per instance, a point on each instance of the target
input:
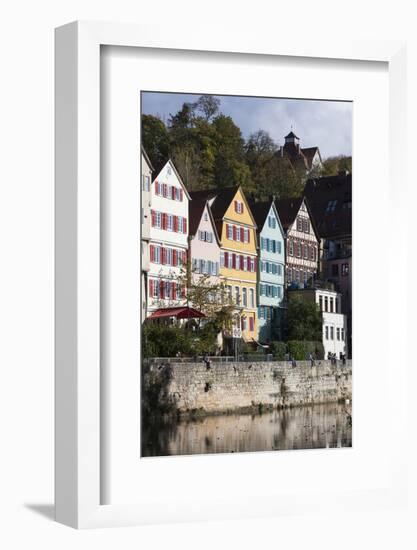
(226, 387)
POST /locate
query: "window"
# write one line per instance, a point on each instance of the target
(158, 220)
(146, 183)
(305, 252)
(345, 270)
(335, 270)
(237, 295)
(169, 256)
(279, 248)
(221, 259)
(338, 333)
(306, 225)
(299, 224)
(205, 216)
(325, 303)
(289, 275)
(272, 222)
(252, 297)
(331, 333)
(246, 235)
(331, 305)
(245, 297)
(291, 247)
(180, 224)
(239, 207)
(298, 250)
(243, 323)
(321, 303)
(245, 263)
(237, 233)
(331, 206)
(343, 334)
(327, 332)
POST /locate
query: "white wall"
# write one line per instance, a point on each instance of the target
(26, 278)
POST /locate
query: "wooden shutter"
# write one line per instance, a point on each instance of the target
(251, 324)
(234, 232)
(236, 206)
(226, 259)
(152, 253)
(241, 262)
(234, 261)
(242, 234)
(184, 225)
(174, 257)
(153, 217)
(175, 224)
(151, 283)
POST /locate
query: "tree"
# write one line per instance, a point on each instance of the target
(155, 140)
(230, 168)
(208, 105)
(332, 165)
(304, 320)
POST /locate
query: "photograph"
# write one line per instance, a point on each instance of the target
(246, 273)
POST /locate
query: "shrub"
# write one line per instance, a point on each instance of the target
(300, 349)
(168, 340)
(278, 350)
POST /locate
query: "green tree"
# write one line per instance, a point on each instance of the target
(304, 320)
(230, 167)
(155, 140)
(208, 105)
(332, 165)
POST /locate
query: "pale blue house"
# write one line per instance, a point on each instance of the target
(271, 270)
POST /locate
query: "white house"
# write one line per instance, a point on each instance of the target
(168, 242)
(334, 321)
(146, 199)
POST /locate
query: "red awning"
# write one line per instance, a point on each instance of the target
(178, 312)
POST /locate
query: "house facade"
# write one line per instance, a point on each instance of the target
(146, 196)
(204, 243)
(334, 334)
(271, 270)
(330, 200)
(168, 243)
(236, 228)
(301, 241)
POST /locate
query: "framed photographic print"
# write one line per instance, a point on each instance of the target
(223, 320)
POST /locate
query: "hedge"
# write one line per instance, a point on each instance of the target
(298, 349)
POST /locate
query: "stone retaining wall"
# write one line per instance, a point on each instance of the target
(236, 386)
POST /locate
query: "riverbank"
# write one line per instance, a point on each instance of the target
(228, 388)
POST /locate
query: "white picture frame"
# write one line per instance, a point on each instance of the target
(77, 206)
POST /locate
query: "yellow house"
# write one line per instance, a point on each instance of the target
(238, 256)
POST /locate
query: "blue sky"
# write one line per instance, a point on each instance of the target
(327, 124)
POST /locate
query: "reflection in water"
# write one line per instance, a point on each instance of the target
(308, 427)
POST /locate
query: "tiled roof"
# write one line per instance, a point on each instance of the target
(330, 200)
(288, 210)
(222, 199)
(260, 212)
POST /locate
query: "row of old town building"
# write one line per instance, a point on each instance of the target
(263, 252)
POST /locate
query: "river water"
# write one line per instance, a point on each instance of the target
(307, 427)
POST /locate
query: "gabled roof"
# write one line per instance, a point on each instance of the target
(260, 211)
(222, 199)
(291, 135)
(196, 209)
(320, 192)
(169, 161)
(145, 154)
(288, 210)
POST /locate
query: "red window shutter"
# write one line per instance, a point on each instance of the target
(234, 261)
(235, 206)
(151, 287)
(172, 192)
(241, 208)
(251, 324)
(174, 257)
(185, 225)
(164, 221)
(242, 234)
(156, 188)
(227, 230)
(248, 263)
(248, 234)
(163, 255)
(181, 195)
(234, 232)
(241, 262)
(153, 217)
(226, 259)
(152, 252)
(161, 289)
